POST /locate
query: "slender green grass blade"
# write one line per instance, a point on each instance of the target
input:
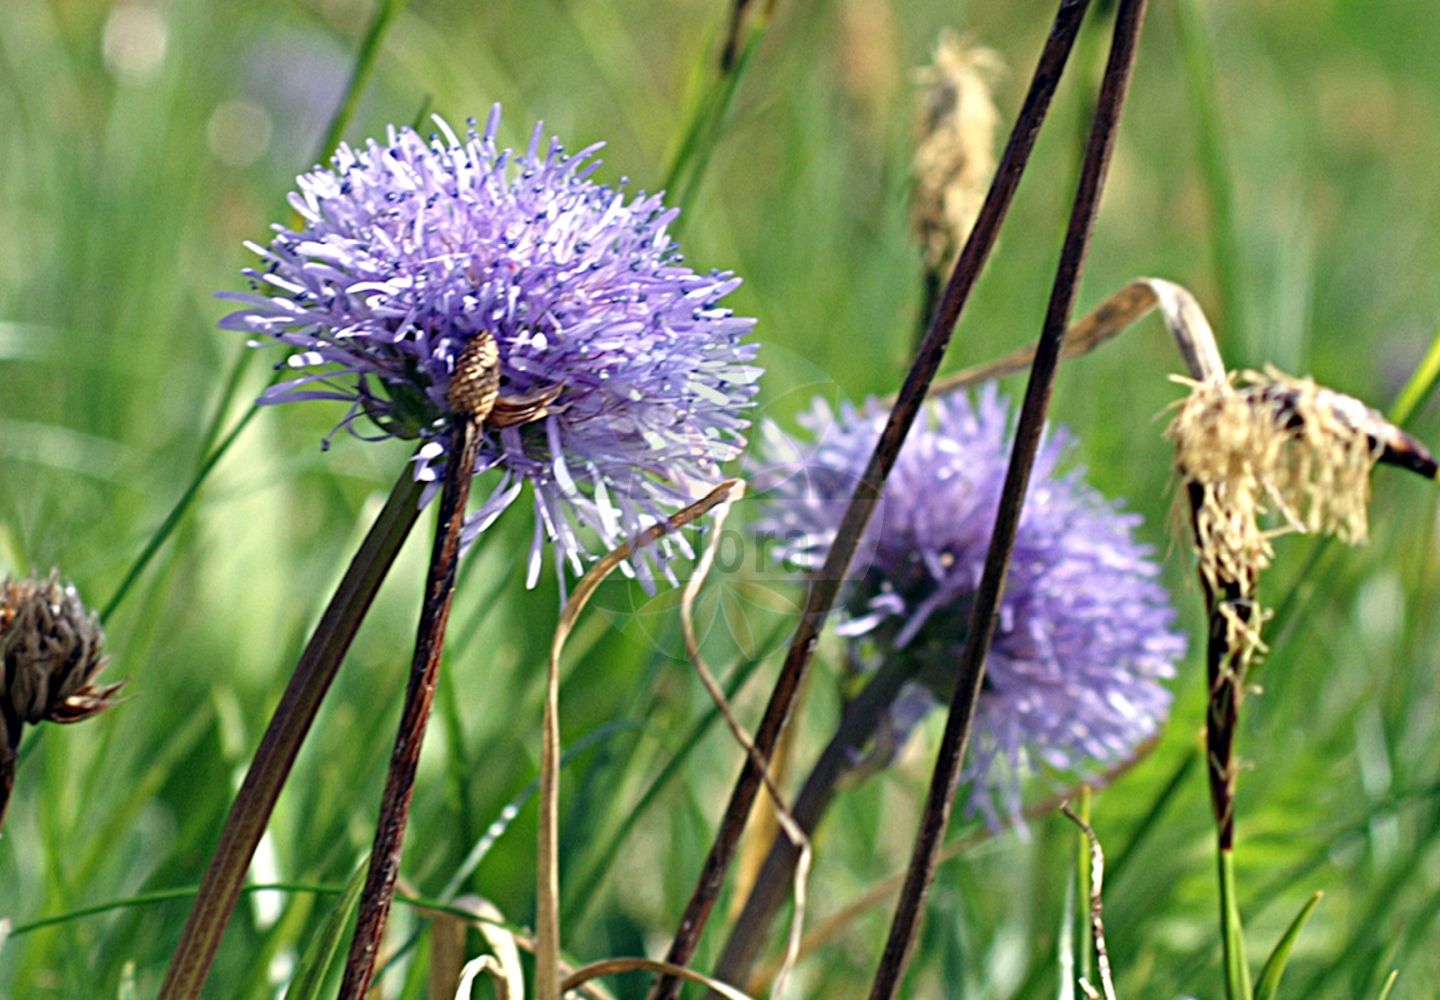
(707, 116)
(319, 954)
(363, 69)
(588, 885)
(689, 170)
(1389, 984)
(511, 809)
(1419, 387)
(361, 73)
(158, 896)
(127, 990)
(1065, 940)
(1085, 889)
(497, 828)
(1268, 986)
(1150, 822)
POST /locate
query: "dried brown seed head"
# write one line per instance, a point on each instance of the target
(1266, 454)
(954, 145)
(51, 648)
(475, 382)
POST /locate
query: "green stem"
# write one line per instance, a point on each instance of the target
(707, 114)
(291, 722)
(154, 896)
(1232, 934)
(1082, 908)
(360, 75)
(589, 884)
(172, 519)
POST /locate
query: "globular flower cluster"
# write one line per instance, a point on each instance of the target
(409, 249)
(1085, 632)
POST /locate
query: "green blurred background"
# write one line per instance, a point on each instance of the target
(1277, 157)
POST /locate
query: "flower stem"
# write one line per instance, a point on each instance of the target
(824, 585)
(941, 795)
(292, 720)
(1225, 669)
(772, 886)
(1232, 935)
(702, 130)
(419, 695)
(9, 757)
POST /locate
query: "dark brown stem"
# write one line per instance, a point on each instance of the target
(824, 585)
(931, 284)
(941, 795)
(1225, 668)
(379, 889)
(276, 755)
(9, 758)
(734, 35)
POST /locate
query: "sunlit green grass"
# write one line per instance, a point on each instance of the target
(121, 216)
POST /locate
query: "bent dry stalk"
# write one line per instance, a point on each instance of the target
(474, 400)
(1096, 881)
(940, 797)
(823, 586)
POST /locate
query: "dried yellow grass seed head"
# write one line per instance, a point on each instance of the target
(1265, 454)
(954, 144)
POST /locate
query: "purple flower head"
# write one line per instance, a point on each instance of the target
(1085, 632)
(409, 249)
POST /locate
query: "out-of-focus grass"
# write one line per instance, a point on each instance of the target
(140, 144)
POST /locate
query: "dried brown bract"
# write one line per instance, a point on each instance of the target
(954, 145)
(51, 648)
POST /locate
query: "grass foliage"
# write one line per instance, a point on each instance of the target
(1277, 158)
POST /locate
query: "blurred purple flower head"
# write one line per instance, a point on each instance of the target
(408, 249)
(1085, 632)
